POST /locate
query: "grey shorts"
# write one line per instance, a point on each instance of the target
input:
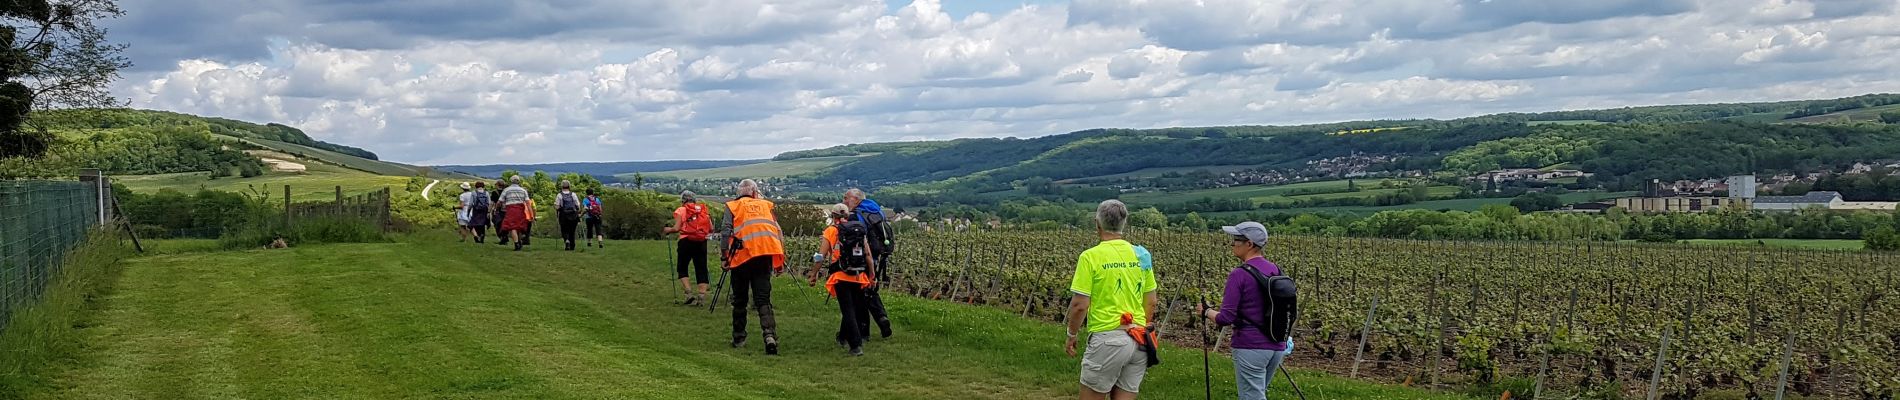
(1113, 361)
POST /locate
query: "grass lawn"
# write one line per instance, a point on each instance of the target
(1811, 244)
(431, 318)
(769, 169)
(319, 183)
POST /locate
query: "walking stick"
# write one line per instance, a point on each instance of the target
(1289, 381)
(725, 254)
(1207, 374)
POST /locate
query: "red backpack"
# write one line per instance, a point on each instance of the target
(698, 224)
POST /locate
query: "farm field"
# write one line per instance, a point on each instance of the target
(1154, 172)
(1453, 204)
(1816, 244)
(319, 183)
(769, 169)
(1492, 312)
(1859, 114)
(312, 155)
(426, 317)
(1261, 194)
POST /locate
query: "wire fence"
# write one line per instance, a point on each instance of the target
(40, 223)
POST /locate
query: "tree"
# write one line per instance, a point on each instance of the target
(1890, 117)
(1534, 202)
(1149, 218)
(55, 55)
(1883, 239)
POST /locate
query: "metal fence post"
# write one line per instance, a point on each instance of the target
(1655, 377)
(1364, 334)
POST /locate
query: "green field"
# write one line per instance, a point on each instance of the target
(1858, 114)
(769, 169)
(1278, 193)
(1813, 244)
(318, 183)
(1454, 204)
(1155, 172)
(311, 155)
(1568, 122)
(430, 318)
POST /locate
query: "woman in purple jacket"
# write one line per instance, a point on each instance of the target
(1255, 356)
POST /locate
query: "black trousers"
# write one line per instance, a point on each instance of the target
(873, 307)
(568, 223)
(851, 310)
(593, 227)
(501, 214)
(752, 282)
(694, 252)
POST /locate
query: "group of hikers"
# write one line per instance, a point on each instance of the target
(1113, 284)
(510, 211)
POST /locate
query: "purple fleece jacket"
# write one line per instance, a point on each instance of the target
(1243, 297)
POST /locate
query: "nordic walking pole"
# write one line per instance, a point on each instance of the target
(1207, 374)
(1289, 381)
(724, 257)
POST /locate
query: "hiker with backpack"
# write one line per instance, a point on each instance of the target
(851, 268)
(1261, 303)
(518, 202)
(693, 222)
(499, 213)
(754, 252)
(478, 206)
(1114, 295)
(462, 211)
(567, 210)
(867, 212)
(593, 206)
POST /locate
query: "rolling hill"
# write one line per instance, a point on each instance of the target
(1718, 135)
(597, 168)
(768, 169)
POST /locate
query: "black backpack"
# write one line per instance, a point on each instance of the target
(479, 205)
(568, 203)
(879, 233)
(1283, 305)
(852, 241)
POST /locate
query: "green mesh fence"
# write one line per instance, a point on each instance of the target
(40, 222)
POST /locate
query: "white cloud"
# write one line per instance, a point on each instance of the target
(592, 80)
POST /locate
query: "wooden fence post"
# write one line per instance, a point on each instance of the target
(286, 206)
(339, 200)
(1787, 354)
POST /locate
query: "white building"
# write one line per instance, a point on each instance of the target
(1822, 200)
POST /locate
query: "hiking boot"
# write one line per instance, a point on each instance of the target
(884, 328)
(692, 300)
(517, 246)
(738, 341)
(771, 346)
(842, 342)
(857, 351)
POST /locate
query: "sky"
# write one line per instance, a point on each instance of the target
(535, 81)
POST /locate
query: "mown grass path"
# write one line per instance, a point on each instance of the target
(432, 318)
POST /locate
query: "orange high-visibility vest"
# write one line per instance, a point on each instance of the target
(754, 225)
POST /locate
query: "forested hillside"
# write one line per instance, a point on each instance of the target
(82, 120)
(1624, 146)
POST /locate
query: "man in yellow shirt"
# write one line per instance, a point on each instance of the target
(1114, 293)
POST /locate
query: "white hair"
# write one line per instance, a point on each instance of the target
(748, 187)
(1112, 216)
(516, 179)
(854, 193)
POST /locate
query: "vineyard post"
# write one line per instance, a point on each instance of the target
(1359, 355)
(1787, 355)
(1655, 377)
(1543, 359)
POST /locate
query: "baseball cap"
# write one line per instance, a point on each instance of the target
(686, 196)
(1253, 231)
(839, 210)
